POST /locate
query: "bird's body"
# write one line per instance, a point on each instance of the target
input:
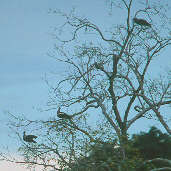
(63, 115)
(141, 22)
(138, 108)
(29, 138)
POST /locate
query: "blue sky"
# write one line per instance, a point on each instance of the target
(25, 40)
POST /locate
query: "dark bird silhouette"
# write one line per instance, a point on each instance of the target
(98, 66)
(141, 22)
(62, 114)
(138, 108)
(29, 138)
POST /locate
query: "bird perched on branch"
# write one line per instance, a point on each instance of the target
(98, 66)
(141, 22)
(62, 114)
(29, 138)
(138, 108)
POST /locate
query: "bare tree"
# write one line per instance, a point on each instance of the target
(106, 73)
(107, 84)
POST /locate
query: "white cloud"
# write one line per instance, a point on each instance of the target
(8, 166)
(12, 166)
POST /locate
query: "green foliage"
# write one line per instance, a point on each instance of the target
(140, 148)
(153, 144)
(106, 157)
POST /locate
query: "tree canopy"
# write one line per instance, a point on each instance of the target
(141, 147)
(153, 144)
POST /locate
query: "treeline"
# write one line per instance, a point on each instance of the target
(144, 152)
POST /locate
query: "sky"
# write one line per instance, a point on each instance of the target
(25, 40)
